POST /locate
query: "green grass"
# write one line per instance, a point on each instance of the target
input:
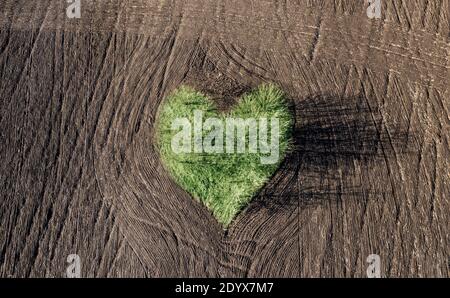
(225, 183)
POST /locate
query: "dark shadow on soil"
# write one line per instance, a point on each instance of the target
(331, 134)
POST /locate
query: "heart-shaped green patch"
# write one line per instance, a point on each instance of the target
(223, 159)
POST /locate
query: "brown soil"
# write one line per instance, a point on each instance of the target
(368, 174)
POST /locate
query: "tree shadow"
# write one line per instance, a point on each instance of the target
(330, 136)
